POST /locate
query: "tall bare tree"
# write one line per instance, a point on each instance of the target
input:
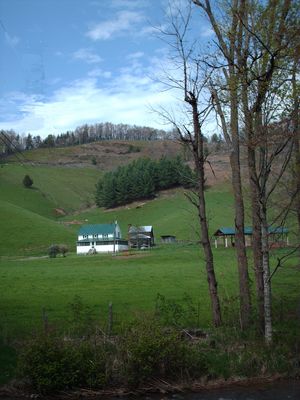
(228, 36)
(254, 48)
(188, 78)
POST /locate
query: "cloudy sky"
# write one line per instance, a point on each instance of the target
(69, 62)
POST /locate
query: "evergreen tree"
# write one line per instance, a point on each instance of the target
(27, 181)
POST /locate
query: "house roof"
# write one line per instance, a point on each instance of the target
(97, 229)
(140, 229)
(248, 230)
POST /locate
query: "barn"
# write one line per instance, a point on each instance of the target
(140, 237)
(100, 238)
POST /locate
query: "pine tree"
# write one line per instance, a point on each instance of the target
(27, 181)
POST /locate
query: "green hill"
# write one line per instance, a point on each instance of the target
(28, 233)
(53, 187)
(170, 214)
(29, 217)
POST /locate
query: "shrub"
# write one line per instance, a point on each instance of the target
(50, 364)
(53, 250)
(63, 249)
(151, 351)
(27, 181)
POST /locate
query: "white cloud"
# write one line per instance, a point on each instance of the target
(12, 41)
(207, 32)
(122, 23)
(98, 72)
(134, 56)
(125, 99)
(87, 55)
(128, 4)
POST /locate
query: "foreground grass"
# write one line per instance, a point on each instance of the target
(130, 283)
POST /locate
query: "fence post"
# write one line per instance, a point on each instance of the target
(110, 318)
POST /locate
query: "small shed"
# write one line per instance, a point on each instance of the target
(278, 236)
(140, 237)
(168, 239)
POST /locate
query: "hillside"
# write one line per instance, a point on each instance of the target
(107, 154)
(64, 187)
(62, 196)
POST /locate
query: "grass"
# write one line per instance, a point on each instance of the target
(28, 285)
(171, 213)
(130, 283)
(53, 187)
(28, 221)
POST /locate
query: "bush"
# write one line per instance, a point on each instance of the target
(53, 250)
(27, 181)
(63, 249)
(151, 351)
(51, 364)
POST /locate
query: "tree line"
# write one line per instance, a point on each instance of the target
(141, 179)
(12, 142)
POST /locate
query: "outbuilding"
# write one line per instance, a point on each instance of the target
(278, 236)
(140, 237)
(168, 239)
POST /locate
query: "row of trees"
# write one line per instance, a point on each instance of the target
(249, 81)
(12, 142)
(141, 179)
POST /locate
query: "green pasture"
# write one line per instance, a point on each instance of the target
(131, 283)
(169, 214)
(53, 187)
(28, 222)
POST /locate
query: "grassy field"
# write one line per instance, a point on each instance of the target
(28, 222)
(31, 282)
(130, 282)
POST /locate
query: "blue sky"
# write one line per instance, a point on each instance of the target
(69, 62)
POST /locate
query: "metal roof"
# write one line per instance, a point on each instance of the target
(248, 230)
(97, 229)
(144, 229)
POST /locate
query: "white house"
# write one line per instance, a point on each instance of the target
(100, 238)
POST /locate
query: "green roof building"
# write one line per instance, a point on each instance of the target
(100, 238)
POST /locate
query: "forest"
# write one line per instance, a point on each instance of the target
(141, 179)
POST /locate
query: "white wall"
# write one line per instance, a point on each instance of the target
(109, 248)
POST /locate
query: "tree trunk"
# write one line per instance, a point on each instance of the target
(209, 263)
(295, 119)
(256, 236)
(245, 298)
(250, 134)
(266, 274)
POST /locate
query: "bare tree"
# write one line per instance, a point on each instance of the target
(189, 79)
(254, 48)
(228, 42)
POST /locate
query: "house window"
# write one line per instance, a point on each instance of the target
(95, 236)
(85, 236)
